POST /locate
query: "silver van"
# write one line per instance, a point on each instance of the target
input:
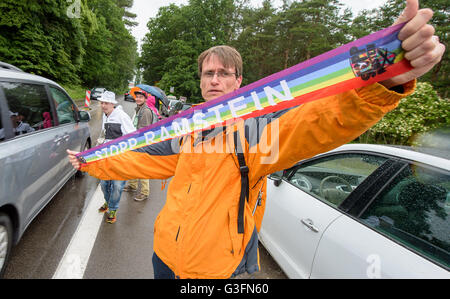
(38, 122)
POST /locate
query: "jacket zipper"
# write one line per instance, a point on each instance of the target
(176, 238)
(258, 201)
(178, 259)
(260, 195)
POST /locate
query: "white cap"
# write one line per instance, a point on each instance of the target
(108, 97)
(13, 113)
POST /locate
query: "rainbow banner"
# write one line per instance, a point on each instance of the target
(371, 59)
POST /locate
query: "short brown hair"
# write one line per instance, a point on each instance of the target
(229, 57)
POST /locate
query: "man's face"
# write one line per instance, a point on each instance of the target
(215, 86)
(140, 99)
(107, 108)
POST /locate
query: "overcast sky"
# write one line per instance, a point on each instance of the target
(146, 9)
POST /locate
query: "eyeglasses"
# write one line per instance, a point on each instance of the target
(220, 74)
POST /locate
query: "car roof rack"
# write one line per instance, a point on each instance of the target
(7, 66)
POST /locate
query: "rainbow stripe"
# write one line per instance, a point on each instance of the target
(327, 74)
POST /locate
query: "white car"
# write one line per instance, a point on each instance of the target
(361, 211)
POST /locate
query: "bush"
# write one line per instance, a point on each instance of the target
(421, 112)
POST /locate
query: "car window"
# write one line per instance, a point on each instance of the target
(29, 108)
(332, 178)
(65, 108)
(414, 210)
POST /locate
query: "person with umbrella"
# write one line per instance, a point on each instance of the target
(143, 117)
(155, 91)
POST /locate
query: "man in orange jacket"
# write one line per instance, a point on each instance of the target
(195, 234)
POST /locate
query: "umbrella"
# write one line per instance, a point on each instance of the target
(155, 91)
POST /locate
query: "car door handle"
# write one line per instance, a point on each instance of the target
(58, 139)
(310, 224)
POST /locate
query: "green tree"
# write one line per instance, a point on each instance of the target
(271, 40)
(91, 46)
(177, 35)
(314, 27)
(258, 39)
(40, 38)
(111, 50)
(128, 17)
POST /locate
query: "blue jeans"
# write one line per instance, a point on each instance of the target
(160, 269)
(112, 190)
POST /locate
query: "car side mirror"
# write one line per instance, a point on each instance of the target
(277, 182)
(277, 178)
(84, 116)
(178, 105)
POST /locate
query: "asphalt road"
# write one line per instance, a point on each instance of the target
(120, 250)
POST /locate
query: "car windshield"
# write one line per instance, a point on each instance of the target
(99, 89)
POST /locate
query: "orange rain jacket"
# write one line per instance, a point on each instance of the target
(195, 234)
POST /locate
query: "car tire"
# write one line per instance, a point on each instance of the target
(6, 241)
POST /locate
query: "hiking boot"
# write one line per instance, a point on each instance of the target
(140, 197)
(103, 208)
(129, 189)
(112, 216)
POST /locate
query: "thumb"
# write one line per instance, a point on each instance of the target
(412, 6)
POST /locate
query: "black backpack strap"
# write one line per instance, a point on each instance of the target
(243, 168)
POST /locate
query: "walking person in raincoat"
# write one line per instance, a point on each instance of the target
(115, 124)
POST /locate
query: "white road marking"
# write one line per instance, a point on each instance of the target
(75, 259)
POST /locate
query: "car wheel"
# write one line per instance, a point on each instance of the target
(5, 241)
(86, 146)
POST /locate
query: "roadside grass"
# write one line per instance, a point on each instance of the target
(77, 93)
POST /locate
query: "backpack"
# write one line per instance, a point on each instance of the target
(255, 196)
(154, 116)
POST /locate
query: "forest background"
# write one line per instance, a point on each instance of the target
(81, 44)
